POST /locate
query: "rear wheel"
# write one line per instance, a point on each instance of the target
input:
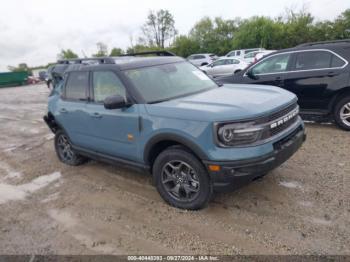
(182, 180)
(65, 151)
(342, 113)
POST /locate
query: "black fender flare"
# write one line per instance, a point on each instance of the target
(175, 138)
(52, 123)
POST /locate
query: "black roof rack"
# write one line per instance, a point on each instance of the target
(100, 60)
(325, 42)
(157, 53)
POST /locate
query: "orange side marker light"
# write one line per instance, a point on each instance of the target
(214, 168)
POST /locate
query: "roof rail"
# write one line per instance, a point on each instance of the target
(100, 60)
(157, 53)
(325, 42)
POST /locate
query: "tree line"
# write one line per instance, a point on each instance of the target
(219, 36)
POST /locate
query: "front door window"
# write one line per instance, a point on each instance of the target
(273, 64)
(107, 84)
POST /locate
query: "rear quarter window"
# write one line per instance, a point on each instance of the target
(337, 62)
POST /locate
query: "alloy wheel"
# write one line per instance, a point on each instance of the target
(64, 148)
(345, 114)
(180, 180)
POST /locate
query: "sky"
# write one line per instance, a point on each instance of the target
(34, 31)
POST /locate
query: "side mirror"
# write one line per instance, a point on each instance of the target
(114, 102)
(251, 74)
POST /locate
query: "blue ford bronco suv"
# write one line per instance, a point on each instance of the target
(163, 115)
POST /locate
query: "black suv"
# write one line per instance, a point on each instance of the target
(318, 73)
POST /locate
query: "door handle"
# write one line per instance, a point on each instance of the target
(63, 110)
(331, 74)
(96, 115)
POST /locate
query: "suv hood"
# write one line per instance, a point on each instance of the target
(227, 103)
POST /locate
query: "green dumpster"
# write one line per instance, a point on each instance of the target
(13, 78)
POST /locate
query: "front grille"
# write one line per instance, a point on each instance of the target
(280, 128)
(275, 117)
(282, 112)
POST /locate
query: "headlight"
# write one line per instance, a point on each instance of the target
(238, 134)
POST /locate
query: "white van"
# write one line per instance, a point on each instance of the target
(241, 53)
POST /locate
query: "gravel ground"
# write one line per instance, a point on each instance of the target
(46, 207)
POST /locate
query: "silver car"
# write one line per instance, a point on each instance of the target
(224, 67)
(202, 59)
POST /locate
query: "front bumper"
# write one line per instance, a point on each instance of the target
(235, 174)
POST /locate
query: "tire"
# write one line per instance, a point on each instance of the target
(64, 151)
(181, 179)
(203, 64)
(342, 113)
(237, 71)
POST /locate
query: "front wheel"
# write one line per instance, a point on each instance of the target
(342, 113)
(182, 180)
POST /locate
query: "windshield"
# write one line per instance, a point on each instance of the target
(164, 82)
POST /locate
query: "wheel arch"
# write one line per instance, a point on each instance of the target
(337, 97)
(160, 142)
(53, 124)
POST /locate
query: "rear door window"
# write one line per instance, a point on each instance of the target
(77, 86)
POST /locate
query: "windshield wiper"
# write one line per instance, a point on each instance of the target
(179, 96)
(159, 101)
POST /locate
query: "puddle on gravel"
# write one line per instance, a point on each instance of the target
(49, 136)
(9, 149)
(321, 221)
(80, 233)
(51, 197)
(10, 173)
(291, 184)
(63, 218)
(306, 203)
(31, 131)
(19, 192)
